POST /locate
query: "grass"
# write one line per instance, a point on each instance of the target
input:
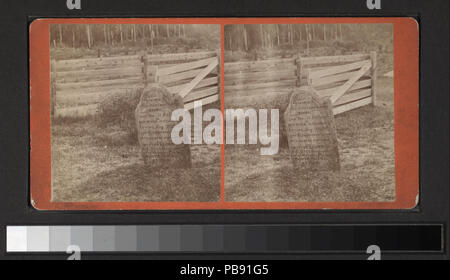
(102, 165)
(366, 145)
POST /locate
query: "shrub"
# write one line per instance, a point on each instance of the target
(118, 109)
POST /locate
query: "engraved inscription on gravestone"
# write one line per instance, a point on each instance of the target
(154, 125)
(311, 132)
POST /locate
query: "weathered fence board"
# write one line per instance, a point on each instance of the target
(76, 111)
(93, 84)
(185, 66)
(79, 85)
(95, 75)
(201, 93)
(257, 92)
(258, 77)
(203, 73)
(96, 63)
(334, 59)
(351, 106)
(259, 83)
(358, 85)
(332, 79)
(193, 80)
(204, 83)
(179, 57)
(259, 99)
(354, 96)
(274, 85)
(349, 85)
(81, 98)
(328, 71)
(207, 100)
(347, 80)
(259, 66)
(345, 87)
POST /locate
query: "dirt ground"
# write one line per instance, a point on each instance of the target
(103, 165)
(366, 145)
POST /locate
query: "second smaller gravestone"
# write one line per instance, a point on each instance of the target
(311, 132)
(154, 125)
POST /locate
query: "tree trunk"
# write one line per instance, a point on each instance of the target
(288, 31)
(105, 34)
(313, 32)
(88, 33)
(73, 38)
(308, 35)
(262, 35)
(111, 37)
(60, 35)
(245, 38)
(121, 33)
(336, 33)
(167, 31)
(278, 35)
(324, 32)
(292, 34)
(300, 34)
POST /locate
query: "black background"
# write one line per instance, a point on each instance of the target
(15, 16)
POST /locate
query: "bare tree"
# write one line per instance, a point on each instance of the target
(121, 33)
(88, 34)
(60, 35)
(105, 34)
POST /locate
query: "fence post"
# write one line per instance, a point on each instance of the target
(52, 88)
(299, 71)
(144, 60)
(308, 80)
(373, 58)
(152, 74)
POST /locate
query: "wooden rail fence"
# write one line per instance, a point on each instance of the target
(257, 83)
(348, 80)
(78, 85)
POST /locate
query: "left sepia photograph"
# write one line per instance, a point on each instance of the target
(114, 88)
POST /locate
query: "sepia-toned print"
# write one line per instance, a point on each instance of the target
(224, 114)
(333, 87)
(114, 88)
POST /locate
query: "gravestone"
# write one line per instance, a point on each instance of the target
(311, 132)
(154, 125)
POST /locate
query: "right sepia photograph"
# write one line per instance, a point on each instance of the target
(309, 113)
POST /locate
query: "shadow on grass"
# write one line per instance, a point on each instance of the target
(285, 184)
(138, 183)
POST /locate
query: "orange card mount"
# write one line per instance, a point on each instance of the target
(87, 77)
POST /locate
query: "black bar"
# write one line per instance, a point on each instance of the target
(332, 238)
